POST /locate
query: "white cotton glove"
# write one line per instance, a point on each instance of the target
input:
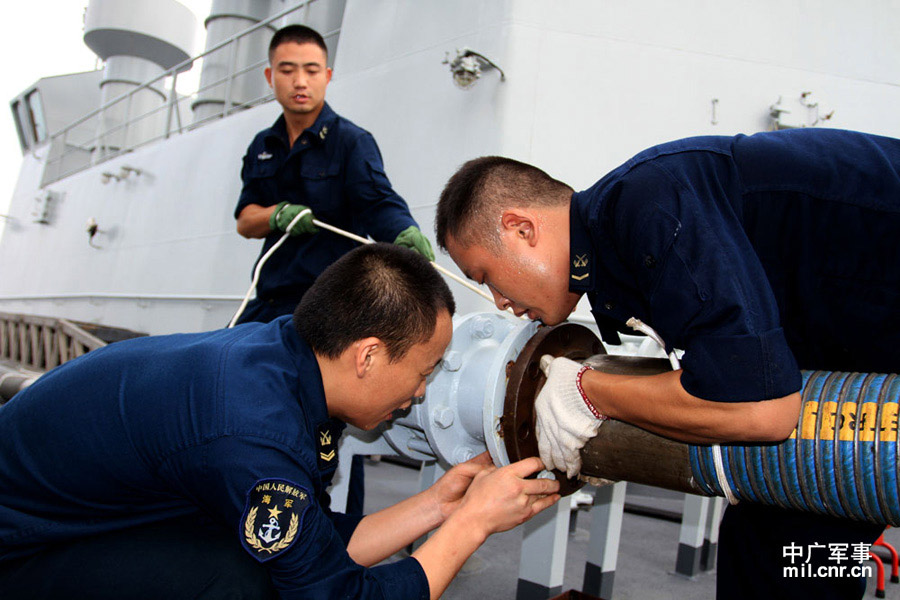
(565, 418)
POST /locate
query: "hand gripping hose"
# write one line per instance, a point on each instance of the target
(715, 449)
(346, 234)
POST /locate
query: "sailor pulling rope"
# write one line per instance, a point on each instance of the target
(347, 234)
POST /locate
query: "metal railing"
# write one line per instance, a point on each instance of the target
(34, 344)
(41, 343)
(109, 131)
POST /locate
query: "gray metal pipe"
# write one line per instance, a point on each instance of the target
(842, 460)
(623, 452)
(13, 381)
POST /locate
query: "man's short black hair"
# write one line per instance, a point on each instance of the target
(299, 34)
(377, 290)
(483, 187)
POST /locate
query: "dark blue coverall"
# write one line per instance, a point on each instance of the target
(181, 466)
(758, 256)
(335, 169)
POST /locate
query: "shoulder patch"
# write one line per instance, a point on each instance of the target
(272, 517)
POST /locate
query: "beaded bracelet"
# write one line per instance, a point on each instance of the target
(584, 397)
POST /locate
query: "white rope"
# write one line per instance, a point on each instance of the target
(346, 234)
(639, 325)
(719, 463)
(441, 269)
(259, 266)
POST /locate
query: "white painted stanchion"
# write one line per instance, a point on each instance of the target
(353, 442)
(543, 557)
(694, 521)
(603, 547)
(711, 541)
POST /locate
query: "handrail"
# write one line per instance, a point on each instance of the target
(67, 157)
(174, 70)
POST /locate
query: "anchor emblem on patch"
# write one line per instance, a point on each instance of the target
(273, 516)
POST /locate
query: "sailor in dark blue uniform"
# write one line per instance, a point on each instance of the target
(757, 256)
(312, 158)
(197, 465)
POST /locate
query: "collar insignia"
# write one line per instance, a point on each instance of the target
(580, 262)
(323, 132)
(272, 517)
(326, 446)
(263, 156)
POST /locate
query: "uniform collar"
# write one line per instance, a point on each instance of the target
(582, 272)
(309, 378)
(278, 131)
(324, 123)
(317, 132)
(326, 431)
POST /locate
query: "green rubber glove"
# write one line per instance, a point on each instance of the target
(414, 239)
(285, 213)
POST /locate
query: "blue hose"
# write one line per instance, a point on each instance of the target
(842, 460)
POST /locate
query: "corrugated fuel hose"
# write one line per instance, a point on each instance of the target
(842, 460)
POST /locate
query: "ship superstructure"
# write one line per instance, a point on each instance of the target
(154, 173)
(122, 215)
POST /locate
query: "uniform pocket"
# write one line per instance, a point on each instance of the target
(261, 169)
(651, 248)
(323, 190)
(315, 170)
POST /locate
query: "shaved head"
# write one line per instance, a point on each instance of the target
(473, 199)
(377, 290)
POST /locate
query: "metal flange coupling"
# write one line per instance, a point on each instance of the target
(526, 380)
